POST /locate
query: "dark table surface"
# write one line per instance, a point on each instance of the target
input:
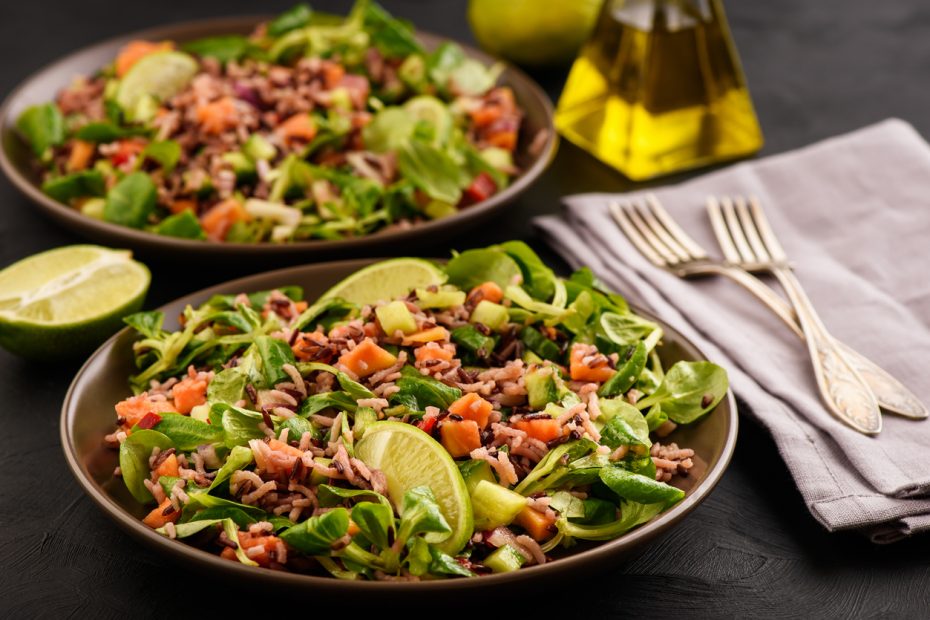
(815, 69)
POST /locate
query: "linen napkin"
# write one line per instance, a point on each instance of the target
(853, 213)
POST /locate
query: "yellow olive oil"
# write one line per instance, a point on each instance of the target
(659, 88)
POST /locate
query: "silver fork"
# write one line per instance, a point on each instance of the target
(656, 235)
(746, 239)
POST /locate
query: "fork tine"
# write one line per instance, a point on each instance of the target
(657, 244)
(645, 213)
(623, 221)
(766, 232)
(751, 230)
(721, 231)
(736, 231)
(674, 229)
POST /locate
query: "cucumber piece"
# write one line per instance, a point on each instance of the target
(395, 316)
(474, 471)
(240, 162)
(258, 147)
(473, 341)
(531, 358)
(437, 209)
(494, 505)
(498, 158)
(440, 298)
(490, 314)
(541, 387)
(505, 559)
(539, 344)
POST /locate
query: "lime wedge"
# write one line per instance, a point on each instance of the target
(160, 76)
(410, 458)
(65, 301)
(387, 280)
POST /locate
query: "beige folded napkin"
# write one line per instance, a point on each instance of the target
(853, 213)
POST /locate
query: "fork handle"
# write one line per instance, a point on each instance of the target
(892, 395)
(843, 390)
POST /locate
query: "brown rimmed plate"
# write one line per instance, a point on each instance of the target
(87, 415)
(17, 160)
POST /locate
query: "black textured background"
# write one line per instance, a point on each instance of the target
(816, 68)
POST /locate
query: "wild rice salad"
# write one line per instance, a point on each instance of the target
(312, 127)
(248, 427)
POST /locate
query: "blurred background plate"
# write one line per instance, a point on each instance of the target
(16, 159)
(87, 415)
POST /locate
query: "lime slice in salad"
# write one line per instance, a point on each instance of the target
(387, 280)
(434, 113)
(157, 76)
(410, 458)
(67, 300)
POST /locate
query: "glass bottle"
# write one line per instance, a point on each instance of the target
(659, 88)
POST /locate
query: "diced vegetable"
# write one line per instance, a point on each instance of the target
(489, 291)
(505, 559)
(537, 524)
(394, 317)
(367, 358)
(460, 437)
(472, 407)
(541, 387)
(495, 505)
(545, 430)
(439, 299)
(581, 371)
(433, 334)
(490, 314)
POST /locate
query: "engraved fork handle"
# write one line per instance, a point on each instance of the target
(844, 391)
(891, 394)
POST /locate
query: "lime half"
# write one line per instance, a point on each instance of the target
(160, 76)
(387, 280)
(65, 301)
(410, 458)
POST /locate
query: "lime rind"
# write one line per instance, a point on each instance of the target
(158, 76)
(386, 280)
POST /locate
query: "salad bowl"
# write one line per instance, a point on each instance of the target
(87, 417)
(535, 148)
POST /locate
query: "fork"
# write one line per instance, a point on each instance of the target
(659, 238)
(747, 239)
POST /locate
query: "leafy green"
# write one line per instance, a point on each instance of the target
(638, 488)
(393, 37)
(184, 530)
(316, 535)
(539, 344)
(75, 185)
(295, 17)
(42, 126)
(631, 515)
(184, 225)
(333, 496)
(473, 267)
(166, 153)
(106, 131)
(420, 514)
(474, 342)
(538, 280)
(431, 170)
(689, 391)
(424, 391)
(626, 374)
(375, 521)
(134, 456)
(355, 389)
(326, 400)
(223, 48)
(240, 425)
(273, 353)
(227, 386)
(625, 425)
(555, 461)
(186, 433)
(149, 324)
(131, 201)
(239, 457)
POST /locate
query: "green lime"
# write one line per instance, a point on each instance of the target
(65, 301)
(160, 76)
(387, 280)
(434, 113)
(410, 458)
(530, 34)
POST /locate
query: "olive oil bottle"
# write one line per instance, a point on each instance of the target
(659, 88)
